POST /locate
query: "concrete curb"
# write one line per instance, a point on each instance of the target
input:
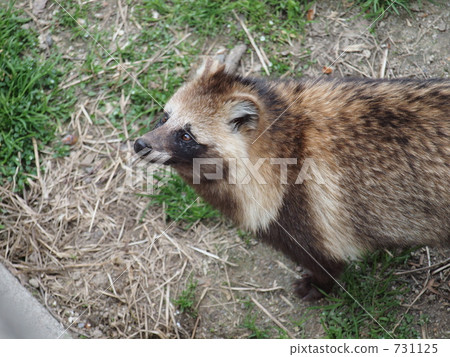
(21, 315)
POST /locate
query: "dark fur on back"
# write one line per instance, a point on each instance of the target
(388, 141)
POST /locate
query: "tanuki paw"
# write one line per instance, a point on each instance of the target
(305, 290)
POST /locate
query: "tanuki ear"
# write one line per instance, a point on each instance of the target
(244, 115)
(209, 67)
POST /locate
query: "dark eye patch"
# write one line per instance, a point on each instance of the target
(186, 150)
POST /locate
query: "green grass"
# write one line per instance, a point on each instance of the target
(374, 8)
(250, 323)
(210, 18)
(157, 83)
(180, 200)
(186, 300)
(372, 283)
(272, 23)
(246, 237)
(71, 15)
(255, 332)
(30, 103)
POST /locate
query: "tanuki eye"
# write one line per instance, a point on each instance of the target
(165, 117)
(186, 137)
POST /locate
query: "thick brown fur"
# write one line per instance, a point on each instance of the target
(381, 148)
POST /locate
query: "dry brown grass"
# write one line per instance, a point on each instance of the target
(81, 233)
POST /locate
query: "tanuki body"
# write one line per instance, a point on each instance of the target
(378, 154)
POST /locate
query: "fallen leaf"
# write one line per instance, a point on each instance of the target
(310, 15)
(39, 6)
(348, 3)
(327, 70)
(69, 139)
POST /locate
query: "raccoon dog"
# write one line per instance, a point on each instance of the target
(324, 170)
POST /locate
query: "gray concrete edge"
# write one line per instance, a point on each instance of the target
(21, 315)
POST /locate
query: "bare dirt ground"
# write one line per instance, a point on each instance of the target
(79, 242)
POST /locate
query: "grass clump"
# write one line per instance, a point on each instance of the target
(275, 20)
(186, 300)
(372, 283)
(211, 17)
(249, 322)
(255, 331)
(71, 14)
(258, 332)
(374, 8)
(30, 102)
(180, 201)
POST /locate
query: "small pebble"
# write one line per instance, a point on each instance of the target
(97, 334)
(34, 283)
(49, 40)
(442, 26)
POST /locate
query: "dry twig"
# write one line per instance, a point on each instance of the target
(252, 41)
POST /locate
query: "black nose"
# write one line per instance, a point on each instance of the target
(141, 147)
